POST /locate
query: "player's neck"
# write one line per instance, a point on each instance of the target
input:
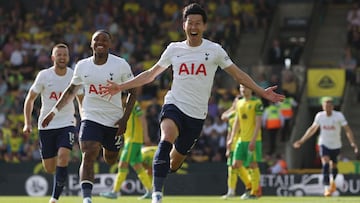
(100, 59)
(194, 43)
(60, 71)
(329, 113)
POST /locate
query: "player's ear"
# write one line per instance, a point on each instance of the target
(52, 58)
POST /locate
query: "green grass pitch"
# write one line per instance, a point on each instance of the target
(183, 199)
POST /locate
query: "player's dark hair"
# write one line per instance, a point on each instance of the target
(61, 45)
(194, 8)
(103, 31)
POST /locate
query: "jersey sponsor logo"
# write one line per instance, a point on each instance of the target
(192, 70)
(96, 89)
(329, 127)
(55, 96)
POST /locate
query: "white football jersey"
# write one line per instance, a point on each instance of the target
(94, 77)
(50, 86)
(330, 128)
(193, 74)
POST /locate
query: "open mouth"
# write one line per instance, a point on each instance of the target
(193, 33)
(100, 48)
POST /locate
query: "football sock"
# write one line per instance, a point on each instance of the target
(120, 178)
(244, 176)
(255, 181)
(86, 187)
(334, 173)
(325, 172)
(232, 178)
(59, 181)
(144, 178)
(161, 165)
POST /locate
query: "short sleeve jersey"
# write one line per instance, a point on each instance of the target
(193, 74)
(330, 128)
(50, 86)
(247, 111)
(134, 129)
(94, 77)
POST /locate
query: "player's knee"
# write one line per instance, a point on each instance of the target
(111, 158)
(174, 166)
(49, 169)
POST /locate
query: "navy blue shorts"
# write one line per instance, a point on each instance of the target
(51, 140)
(332, 153)
(92, 131)
(189, 128)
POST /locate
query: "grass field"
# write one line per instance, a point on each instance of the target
(184, 199)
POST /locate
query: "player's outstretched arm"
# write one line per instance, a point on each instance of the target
(350, 136)
(66, 97)
(243, 78)
(143, 78)
(309, 132)
(28, 109)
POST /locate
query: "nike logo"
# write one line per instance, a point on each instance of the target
(85, 76)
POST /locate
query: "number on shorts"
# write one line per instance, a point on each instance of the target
(119, 140)
(71, 137)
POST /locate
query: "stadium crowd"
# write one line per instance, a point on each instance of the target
(140, 31)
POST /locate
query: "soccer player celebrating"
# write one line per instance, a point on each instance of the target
(136, 134)
(56, 139)
(194, 63)
(103, 120)
(330, 122)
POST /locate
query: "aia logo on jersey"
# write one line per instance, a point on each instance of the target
(329, 127)
(192, 69)
(96, 89)
(55, 96)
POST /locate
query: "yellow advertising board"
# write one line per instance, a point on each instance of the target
(325, 82)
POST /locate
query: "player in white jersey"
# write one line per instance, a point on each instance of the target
(56, 139)
(330, 122)
(103, 120)
(194, 63)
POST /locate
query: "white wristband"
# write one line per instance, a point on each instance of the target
(54, 110)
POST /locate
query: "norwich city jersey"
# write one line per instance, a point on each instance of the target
(230, 127)
(134, 128)
(247, 110)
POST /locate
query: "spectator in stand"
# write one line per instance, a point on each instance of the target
(272, 121)
(349, 64)
(276, 53)
(15, 145)
(353, 16)
(289, 84)
(2, 146)
(248, 16)
(280, 166)
(223, 9)
(263, 13)
(287, 108)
